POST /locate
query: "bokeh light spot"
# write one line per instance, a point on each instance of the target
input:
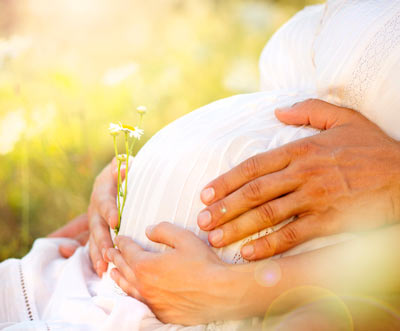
(268, 273)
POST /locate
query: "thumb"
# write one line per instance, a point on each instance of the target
(316, 113)
(169, 234)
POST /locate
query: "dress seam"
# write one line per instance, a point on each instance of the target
(25, 293)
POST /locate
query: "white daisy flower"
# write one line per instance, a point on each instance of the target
(137, 133)
(132, 131)
(115, 129)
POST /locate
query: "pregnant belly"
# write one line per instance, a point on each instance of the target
(169, 172)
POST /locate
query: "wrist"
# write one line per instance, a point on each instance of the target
(244, 296)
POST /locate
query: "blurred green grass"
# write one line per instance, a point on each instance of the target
(67, 70)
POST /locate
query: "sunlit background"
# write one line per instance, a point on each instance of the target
(69, 67)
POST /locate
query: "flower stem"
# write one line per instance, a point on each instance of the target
(118, 184)
(116, 230)
(126, 171)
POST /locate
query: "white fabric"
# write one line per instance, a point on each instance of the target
(347, 53)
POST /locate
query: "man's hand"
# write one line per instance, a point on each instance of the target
(187, 284)
(346, 178)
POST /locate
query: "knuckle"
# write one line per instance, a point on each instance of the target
(149, 294)
(100, 232)
(307, 172)
(320, 190)
(94, 219)
(290, 235)
(122, 244)
(266, 214)
(305, 148)
(222, 185)
(312, 103)
(250, 167)
(140, 269)
(252, 191)
(232, 229)
(266, 246)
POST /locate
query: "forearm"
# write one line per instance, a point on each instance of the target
(368, 265)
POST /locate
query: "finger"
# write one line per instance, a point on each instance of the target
(292, 234)
(67, 251)
(250, 195)
(256, 166)
(114, 255)
(125, 285)
(83, 237)
(317, 113)
(72, 228)
(98, 263)
(108, 209)
(259, 218)
(131, 252)
(169, 234)
(100, 232)
(103, 199)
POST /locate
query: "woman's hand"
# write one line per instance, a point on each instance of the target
(102, 215)
(187, 284)
(345, 178)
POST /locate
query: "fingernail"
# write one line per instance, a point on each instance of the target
(207, 195)
(204, 218)
(216, 236)
(248, 251)
(149, 230)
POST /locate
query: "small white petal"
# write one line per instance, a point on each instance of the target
(114, 128)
